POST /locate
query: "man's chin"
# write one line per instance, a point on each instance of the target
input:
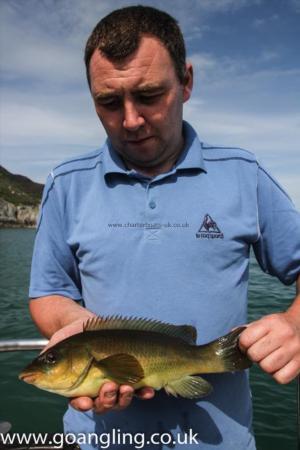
(142, 155)
(143, 150)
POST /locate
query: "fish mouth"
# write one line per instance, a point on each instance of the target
(28, 377)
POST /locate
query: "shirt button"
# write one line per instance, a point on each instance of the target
(152, 204)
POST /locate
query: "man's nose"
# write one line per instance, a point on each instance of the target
(133, 119)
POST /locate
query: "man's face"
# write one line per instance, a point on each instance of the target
(139, 102)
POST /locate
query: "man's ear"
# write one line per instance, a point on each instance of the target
(188, 82)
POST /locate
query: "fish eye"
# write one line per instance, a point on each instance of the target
(48, 358)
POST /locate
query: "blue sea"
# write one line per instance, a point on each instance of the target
(30, 410)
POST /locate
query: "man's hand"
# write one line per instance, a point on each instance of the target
(111, 396)
(67, 331)
(274, 343)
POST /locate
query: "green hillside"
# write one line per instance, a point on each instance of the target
(18, 189)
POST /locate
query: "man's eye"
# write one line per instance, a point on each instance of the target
(149, 98)
(110, 104)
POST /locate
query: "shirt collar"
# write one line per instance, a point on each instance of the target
(190, 158)
(192, 155)
(112, 162)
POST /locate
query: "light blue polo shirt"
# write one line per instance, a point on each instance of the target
(173, 248)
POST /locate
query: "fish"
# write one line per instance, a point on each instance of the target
(134, 351)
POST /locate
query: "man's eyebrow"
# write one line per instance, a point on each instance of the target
(143, 88)
(104, 95)
(150, 87)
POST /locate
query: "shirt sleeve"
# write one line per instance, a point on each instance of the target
(54, 269)
(277, 249)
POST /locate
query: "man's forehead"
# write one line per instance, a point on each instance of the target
(138, 81)
(150, 64)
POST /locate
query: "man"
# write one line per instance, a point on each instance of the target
(157, 224)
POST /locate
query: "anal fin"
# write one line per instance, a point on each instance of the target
(189, 387)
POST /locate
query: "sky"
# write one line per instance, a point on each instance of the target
(246, 94)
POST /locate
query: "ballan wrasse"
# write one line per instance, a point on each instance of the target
(136, 352)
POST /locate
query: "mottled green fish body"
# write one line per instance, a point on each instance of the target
(137, 352)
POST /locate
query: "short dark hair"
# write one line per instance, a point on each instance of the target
(118, 35)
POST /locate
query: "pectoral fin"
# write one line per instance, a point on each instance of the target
(122, 368)
(189, 387)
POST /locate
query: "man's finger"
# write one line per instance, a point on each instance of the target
(145, 393)
(276, 361)
(288, 372)
(107, 397)
(125, 396)
(264, 347)
(111, 396)
(82, 403)
(255, 331)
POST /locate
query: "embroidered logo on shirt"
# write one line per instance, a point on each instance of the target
(209, 229)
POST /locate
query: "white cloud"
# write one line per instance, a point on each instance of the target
(261, 22)
(45, 40)
(268, 55)
(37, 123)
(222, 5)
(295, 4)
(257, 83)
(40, 47)
(204, 61)
(47, 114)
(263, 133)
(274, 139)
(257, 23)
(290, 183)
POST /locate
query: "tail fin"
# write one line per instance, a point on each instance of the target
(224, 353)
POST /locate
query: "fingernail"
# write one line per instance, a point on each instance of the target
(110, 394)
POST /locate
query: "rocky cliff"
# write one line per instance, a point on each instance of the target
(17, 216)
(19, 200)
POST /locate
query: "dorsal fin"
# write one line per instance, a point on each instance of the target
(185, 332)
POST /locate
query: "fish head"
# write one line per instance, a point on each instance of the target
(52, 370)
